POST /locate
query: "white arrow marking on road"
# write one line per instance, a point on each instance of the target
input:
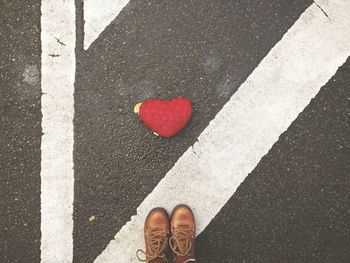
(98, 14)
(57, 84)
(249, 124)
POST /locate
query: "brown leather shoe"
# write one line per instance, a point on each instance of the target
(156, 231)
(183, 230)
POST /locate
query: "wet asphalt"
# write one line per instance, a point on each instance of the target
(20, 131)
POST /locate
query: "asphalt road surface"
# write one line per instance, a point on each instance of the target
(269, 184)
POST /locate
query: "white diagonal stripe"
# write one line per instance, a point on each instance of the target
(57, 84)
(98, 14)
(249, 124)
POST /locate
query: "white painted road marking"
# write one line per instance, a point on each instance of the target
(57, 84)
(98, 14)
(249, 124)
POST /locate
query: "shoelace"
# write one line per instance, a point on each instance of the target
(157, 240)
(181, 240)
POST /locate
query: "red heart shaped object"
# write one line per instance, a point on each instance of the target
(166, 117)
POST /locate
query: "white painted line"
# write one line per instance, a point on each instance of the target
(248, 125)
(98, 14)
(57, 84)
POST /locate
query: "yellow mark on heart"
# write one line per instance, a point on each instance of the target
(137, 107)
